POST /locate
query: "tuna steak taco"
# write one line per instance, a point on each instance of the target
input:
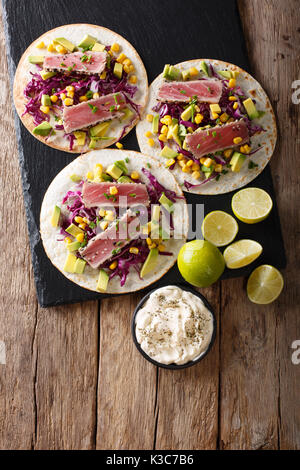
(210, 123)
(114, 221)
(80, 87)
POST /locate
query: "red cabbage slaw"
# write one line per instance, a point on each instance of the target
(83, 84)
(75, 206)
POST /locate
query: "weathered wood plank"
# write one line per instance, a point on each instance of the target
(277, 64)
(187, 404)
(127, 384)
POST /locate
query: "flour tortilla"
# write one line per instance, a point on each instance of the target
(75, 33)
(231, 181)
(56, 250)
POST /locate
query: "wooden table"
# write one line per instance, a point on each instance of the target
(73, 378)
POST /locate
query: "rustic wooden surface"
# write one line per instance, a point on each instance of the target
(73, 379)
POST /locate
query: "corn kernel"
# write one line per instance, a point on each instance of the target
(162, 138)
(227, 153)
(113, 265)
(202, 160)
(98, 165)
(232, 98)
(63, 96)
(235, 105)
(61, 49)
(215, 108)
(50, 48)
(195, 166)
(86, 220)
(134, 175)
(214, 115)
(153, 245)
(186, 169)
(104, 225)
(151, 142)
(70, 88)
(180, 157)
(164, 129)
(170, 162)
(148, 134)
(218, 168)
(149, 241)
(78, 219)
(196, 175)
(131, 68)
(232, 83)
(207, 162)
(247, 148)
(190, 130)
(190, 163)
(193, 72)
(110, 53)
(70, 94)
(109, 216)
(80, 237)
(237, 140)
(102, 212)
(127, 68)
(45, 109)
(53, 98)
(68, 240)
(115, 47)
(82, 226)
(133, 79)
(230, 120)
(149, 117)
(113, 190)
(121, 57)
(166, 120)
(134, 250)
(82, 98)
(198, 118)
(41, 45)
(127, 62)
(161, 247)
(103, 75)
(182, 162)
(90, 175)
(224, 117)
(68, 102)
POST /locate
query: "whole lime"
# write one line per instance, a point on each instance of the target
(200, 263)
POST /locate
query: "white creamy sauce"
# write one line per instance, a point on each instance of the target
(174, 326)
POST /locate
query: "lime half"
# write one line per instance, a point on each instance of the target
(242, 253)
(264, 284)
(219, 228)
(251, 205)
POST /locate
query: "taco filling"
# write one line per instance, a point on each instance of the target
(80, 91)
(203, 122)
(113, 222)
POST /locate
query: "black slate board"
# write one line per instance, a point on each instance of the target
(162, 31)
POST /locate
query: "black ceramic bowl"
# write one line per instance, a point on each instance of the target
(175, 366)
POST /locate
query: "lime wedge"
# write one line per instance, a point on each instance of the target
(251, 205)
(219, 228)
(264, 284)
(241, 253)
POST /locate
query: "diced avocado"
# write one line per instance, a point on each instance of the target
(185, 75)
(74, 230)
(87, 42)
(102, 281)
(166, 71)
(36, 59)
(100, 129)
(97, 47)
(175, 134)
(74, 246)
(121, 164)
(167, 152)
(155, 213)
(45, 100)
(92, 144)
(164, 201)
(114, 171)
(45, 74)
(79, 266)
(155, 123)
(80, 137)
(174, 73)
(204, 68)
(75, 178)
(205, 169)
(55, 216)
(150, 262)
(69, 266)
(237, 161)
(124, 179)
(187, 113)
(66, 44)
(208, 173)
(225, 73)
(250, 108)
(184, 145)
(106, 177)
(42, 129)
(127, 114)
(118, 70)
